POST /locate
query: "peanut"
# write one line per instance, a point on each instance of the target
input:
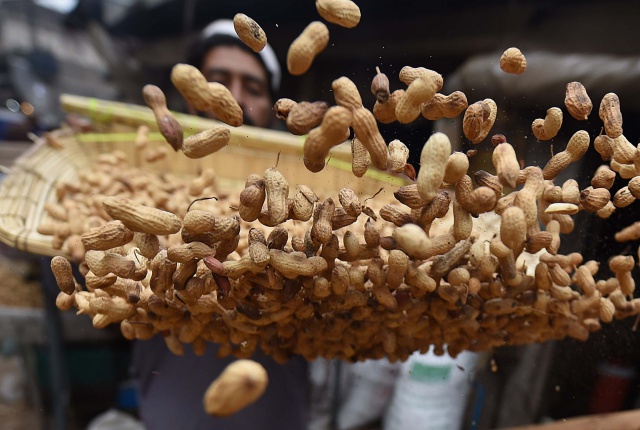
(322, 228)
(506, 258)
(218, 228)
(413, 240)
(629, 233)
(547, 128)
(282, 107)
(380, 86)
(398, 155)
(252, 198)
(110, 235)
(526, 199)
(303, 202)
(306, 115)
(623, 151)
(169, 127)
(623, 198)
(594, 199)
(438, 208)
(206, 96)
(584, 279)
(350, 202)
(634, 186)
(486, 179)
(604, 145)
(441, 106)
(480, 200)
(189, 251)
(506, 164)
(622, 267)
(475, 115)
(294, 264)
(360, 158)
(606, 310)
(102, 263)
(239, 385)
(249, 32)
(513, 61)
(63, 273)
(320, 140)
(456, 168)
(561, 208)
(420, 91)
(192, 84)
(224, 105)
(603, 178)
(313, 40)
(341, 12)
(626, 171)
(571, 191)
(398, 262)
(576, 148)
(433, 161)
(142, 138)
(553, 227)
(277, 239)
(577, 101)
(205, 180)
(610, 114)
(153, 155)
(409, 74)
(462, 222)
(141, 218)
(206, 142)
(395, 215)
(513, 228)
(386, 112)
(606, 211)
(65, 301)
(408, 195)
(488, 123)
(277, 190)
(366, 130)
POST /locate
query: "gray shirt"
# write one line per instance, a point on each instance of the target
(172, 388)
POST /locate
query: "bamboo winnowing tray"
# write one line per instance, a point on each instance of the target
(32, 179)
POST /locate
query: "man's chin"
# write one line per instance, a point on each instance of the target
(246, 120)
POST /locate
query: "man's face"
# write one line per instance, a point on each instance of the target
(245, 77)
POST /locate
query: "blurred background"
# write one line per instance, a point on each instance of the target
(57, 372)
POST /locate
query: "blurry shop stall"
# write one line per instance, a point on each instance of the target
(49, 359)
(21, 303)
(42, 57)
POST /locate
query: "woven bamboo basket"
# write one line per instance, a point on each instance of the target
(33, 177)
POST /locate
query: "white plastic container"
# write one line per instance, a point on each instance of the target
(367, 396)
(431, 392)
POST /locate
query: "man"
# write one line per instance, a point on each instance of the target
(172, 387)
(253, 78)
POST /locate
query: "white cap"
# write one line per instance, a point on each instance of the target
(225, 27)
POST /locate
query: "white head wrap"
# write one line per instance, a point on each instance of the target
(225, 27)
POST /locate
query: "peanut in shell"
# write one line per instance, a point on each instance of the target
(239, 385)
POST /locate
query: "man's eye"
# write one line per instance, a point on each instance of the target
(219, 78)
(255, 89)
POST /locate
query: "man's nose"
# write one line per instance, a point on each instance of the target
(237, 91)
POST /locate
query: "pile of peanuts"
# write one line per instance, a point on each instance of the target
(16, 289)
(448, 264)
